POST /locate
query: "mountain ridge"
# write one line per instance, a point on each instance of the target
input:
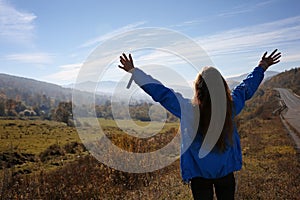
(12, 86)
(235, 80)
(32, 91)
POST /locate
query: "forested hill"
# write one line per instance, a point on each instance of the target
(13, 87)
(33, 92)
(265, 100)
(289, 79)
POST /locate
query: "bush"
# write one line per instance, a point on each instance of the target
(52, 151)
(74, 147)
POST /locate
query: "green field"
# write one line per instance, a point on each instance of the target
(54, 165)
(32, 138)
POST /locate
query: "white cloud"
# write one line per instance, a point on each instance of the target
(106, 36)
(268, 35)
(66, 73)
(235, 50)
(15, 25)
(248, 41)
(293, 57)
(231, 47)
(189, 23)
(160, 58)
(237, 47)
(234, 11)
(244, 8)
(31, 58)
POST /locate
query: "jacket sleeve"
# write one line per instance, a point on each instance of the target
(246, 89)
(159, 93)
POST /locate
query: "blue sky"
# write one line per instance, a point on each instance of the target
(49, 40)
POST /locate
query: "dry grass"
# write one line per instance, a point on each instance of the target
(271, 168)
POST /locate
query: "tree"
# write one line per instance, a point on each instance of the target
(20, 107)
(2, 108)
(11, 106)
(63, 113)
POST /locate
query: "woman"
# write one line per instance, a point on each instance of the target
(215, 170)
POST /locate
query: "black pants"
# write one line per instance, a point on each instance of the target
(203, 188)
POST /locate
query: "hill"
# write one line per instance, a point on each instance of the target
(118, 89)
(90, 86)
(33, 92)
(24, 88)
(108, 87)
(265, 100)
(289, 79)
(235, 80)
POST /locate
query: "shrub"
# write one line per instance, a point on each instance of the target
(52, 151)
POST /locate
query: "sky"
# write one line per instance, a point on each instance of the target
(52, 40)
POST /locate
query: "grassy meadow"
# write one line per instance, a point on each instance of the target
(46, 160)
(34, 136)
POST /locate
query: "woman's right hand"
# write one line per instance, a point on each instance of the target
(127, 64)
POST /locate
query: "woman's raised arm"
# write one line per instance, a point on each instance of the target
(159, 93)
(246, 89)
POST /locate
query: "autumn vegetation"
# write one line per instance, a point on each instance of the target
(43, 158)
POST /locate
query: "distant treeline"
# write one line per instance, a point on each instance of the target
(47, 108)
(39, 106)
(16, 102)
(142, 111)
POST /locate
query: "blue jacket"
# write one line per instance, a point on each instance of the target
(215, 164)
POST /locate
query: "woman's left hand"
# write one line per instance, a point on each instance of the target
(272, 59)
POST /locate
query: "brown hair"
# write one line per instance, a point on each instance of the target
(202, 98)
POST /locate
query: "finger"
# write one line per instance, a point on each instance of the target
(264, 56)
(121, 67)
(276, 57)
(276, 62)
(122, 59)
(130, 58)
(278, 54)
(125, 57)
(273, 53)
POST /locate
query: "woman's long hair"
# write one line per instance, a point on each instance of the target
(202, 98)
